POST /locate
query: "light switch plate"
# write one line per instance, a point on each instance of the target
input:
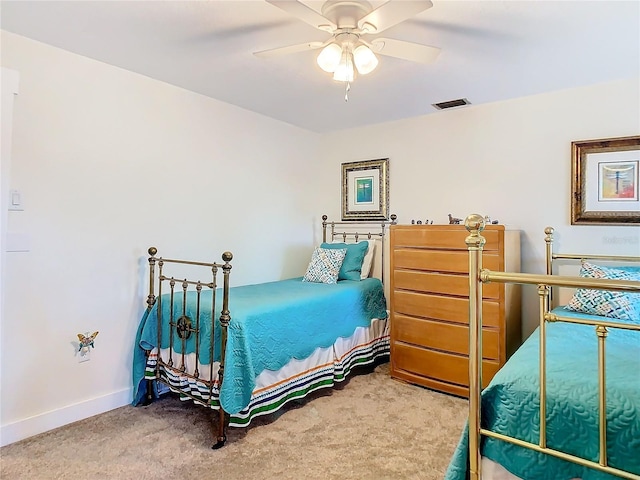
(15, 201)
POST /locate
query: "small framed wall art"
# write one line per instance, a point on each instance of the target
(365, 190)
(605, 181)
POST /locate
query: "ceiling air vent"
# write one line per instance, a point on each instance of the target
(451, 103)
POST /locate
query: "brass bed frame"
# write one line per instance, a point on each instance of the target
(184, 326)
(477, 277)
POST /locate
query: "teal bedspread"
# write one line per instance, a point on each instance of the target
(271, 323)
(510, 405)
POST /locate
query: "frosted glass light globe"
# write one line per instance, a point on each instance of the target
(329, 57)
(365, 59)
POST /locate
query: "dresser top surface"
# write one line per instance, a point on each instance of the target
(454, 227)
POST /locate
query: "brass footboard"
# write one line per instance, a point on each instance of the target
(477, 277)
(182, 327)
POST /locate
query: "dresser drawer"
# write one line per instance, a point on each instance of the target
(440, 283)
(440, 260)
(439, 365)
(450, 237)
(436, 307)
(441, 336)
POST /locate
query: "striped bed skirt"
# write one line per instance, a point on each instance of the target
(298, 378)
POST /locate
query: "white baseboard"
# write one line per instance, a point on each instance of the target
(44, 422)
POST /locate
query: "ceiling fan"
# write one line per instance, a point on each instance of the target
(350, 23)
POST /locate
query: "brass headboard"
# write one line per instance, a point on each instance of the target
(550, 256)
(359, 230)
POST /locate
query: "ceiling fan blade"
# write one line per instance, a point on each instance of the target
(391, 13)
(301, 47)
(304, 13)
(414, 52)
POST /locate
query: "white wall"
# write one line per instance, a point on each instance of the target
(109, 163)
(510, 160)
(9, 80)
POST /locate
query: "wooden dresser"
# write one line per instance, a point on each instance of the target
(429, 301)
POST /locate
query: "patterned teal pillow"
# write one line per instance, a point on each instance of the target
(606, 303)
(352, 265)
(325, 265)
(634, 271)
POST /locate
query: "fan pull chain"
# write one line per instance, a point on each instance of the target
(346, 91)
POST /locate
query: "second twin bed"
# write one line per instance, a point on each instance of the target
(246, 351)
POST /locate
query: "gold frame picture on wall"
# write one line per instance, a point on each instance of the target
(605, 181)
(365, 190)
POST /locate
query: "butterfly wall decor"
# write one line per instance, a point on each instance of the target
(86, 342)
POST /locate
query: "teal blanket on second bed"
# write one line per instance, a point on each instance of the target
(271, 323)
(510, 405)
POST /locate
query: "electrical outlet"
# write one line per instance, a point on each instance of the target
(84, 355)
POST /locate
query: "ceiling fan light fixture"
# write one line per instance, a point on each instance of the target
(329, 57)
(365, 59)
(346, 54)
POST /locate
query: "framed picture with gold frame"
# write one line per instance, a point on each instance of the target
(365, 190)
(605, 181)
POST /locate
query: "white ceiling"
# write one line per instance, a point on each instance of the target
(491, 51)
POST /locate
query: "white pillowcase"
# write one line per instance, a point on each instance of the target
(367, 262)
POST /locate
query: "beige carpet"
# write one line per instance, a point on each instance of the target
(371, 427)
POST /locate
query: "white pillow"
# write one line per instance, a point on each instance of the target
(367, 262)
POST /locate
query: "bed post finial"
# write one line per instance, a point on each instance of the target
(548, 239)
(393, 218)
(151, 298)
(324, 228)
(475, 224)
